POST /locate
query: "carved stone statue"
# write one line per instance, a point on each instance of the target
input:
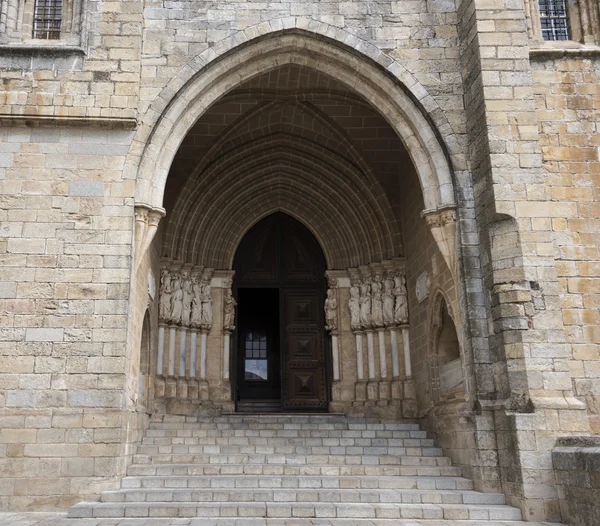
(376, 303)
(388, 301)
(365, 304)
(196, 317)
(188, 294)
(354, 306)
(177, 301)
(206, 304)
(331, 320)
(229, 305)
(166, 289)
(401, 303)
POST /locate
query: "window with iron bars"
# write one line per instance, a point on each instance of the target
(47, 19)
(554, 19)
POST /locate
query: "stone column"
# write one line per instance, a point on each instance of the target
(192, 381)
(332, 324)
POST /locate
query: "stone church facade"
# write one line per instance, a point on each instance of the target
(438, 157)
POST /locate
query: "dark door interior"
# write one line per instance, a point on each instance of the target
(258, 337)
(280, 285)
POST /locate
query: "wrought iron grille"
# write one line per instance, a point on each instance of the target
(555, 19)
(47, 18)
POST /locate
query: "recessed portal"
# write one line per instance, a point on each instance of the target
(280, 359)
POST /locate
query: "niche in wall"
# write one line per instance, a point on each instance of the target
(448, 352)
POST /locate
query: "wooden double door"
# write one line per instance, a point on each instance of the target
(279, 349)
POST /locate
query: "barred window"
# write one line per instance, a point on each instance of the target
(555, 19)
(47, 18)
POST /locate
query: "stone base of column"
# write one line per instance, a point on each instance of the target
(397, 389)
(385, 390)
(203, 390)
(170, 387)
(159, 387)
(192, 388)
(373, 390)
(360, 389)
(182, 388)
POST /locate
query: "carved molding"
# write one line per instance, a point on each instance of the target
(442, 224)
(147, 219)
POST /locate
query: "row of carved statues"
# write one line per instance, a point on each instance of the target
(186, 300)
(378, 301)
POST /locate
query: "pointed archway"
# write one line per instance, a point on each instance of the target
(279, 356)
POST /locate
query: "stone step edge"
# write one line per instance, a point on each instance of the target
(324, 478)
(296, 490)
(81, 509)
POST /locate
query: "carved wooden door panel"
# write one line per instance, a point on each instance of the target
(303, 371)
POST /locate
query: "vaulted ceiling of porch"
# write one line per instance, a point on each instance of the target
(289, 140)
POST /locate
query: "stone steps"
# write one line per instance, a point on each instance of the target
(295, 459)
(290, 450)
(293, 466)
(280, 482)
(289, 510)
(292, 470)
(302, 495)
(285, 441)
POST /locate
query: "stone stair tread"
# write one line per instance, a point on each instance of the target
(296, 509)
(299, 495)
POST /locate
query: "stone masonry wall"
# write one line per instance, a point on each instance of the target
(567, 101)
(65, 251)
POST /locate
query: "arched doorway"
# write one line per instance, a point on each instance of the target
(279, 355)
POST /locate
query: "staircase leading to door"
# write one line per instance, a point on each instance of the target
(284, 466)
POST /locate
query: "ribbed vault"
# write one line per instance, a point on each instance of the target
(321, 156)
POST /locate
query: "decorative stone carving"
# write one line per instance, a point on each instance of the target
(442, 224)
(166, 290)
(365, 304)
(401, 300)
(354, 306)
(147, 219)
(331, 318)
(376, 302)
(206, 317)
(177, 301)
(229, 305)
(388, 301)
(196, 317)
(188, 294)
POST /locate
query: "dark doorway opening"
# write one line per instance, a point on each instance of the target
(258, 359)
(280, 358)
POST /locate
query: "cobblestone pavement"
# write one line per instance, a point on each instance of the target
(60, 519)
